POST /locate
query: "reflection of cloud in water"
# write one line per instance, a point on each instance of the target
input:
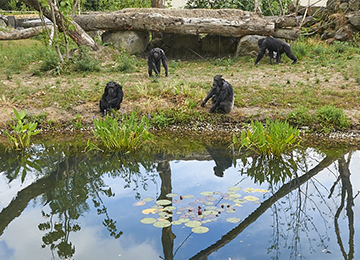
(89, 242)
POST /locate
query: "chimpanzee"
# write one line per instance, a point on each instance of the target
(222, 95)
(112, 97)
(274, 45)
(157, 56)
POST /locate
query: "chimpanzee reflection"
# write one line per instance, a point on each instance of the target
(221, 158)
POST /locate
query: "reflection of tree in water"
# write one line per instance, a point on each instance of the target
(299, 219)
(346, 195)
(66, 188)
(167, 237)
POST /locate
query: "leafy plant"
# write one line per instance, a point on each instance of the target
(276, 138)
(77, 122)
(127, 135)
(330, 117)
(22, 131)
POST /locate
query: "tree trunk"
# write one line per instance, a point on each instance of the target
(21, 34)
(224, 22)
(157, 3)
(79, 36)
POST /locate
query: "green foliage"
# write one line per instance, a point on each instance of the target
(267, 7)
(127, 135)
(276, 138)
(330, 117)
(50, 61)
(300, 116)
(161, 120)
(84, 62)
(115, 5)
(126, 62)
(22, 131)
(299, 49)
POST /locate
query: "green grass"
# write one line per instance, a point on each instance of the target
(326, 75)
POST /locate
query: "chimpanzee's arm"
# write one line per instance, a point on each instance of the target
(164, 63)
(211, 93)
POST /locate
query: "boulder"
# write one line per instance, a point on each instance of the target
(354, 19)
(131, 41)
(248, 46)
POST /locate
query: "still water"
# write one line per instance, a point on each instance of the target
(58, 202)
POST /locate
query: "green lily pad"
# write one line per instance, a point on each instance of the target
(230, 211)
(251, 198)
(233, 188)
(148, 220)
(208, 203)
(162, 223)
(211, 208)
(169, 208)
(209, 212)
(200, 230)
(207, 193)
(171, 195)
(148, 199)
(164, 215)
(249, 190)
(193, 223)
(240, 201)
(233, 220)
(188, 196)
(176, 222)
(163, 202)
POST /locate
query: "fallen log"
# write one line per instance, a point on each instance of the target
(224, 22)
(21, 34)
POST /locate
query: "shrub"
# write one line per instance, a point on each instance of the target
(276, 138)
(330, 117)
(127, 135)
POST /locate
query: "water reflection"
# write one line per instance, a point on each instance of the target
(68, 186)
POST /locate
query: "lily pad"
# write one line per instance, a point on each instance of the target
(200, 230)
(208, 203)
(169, 208)
(249, 190)
(188, 196)
(251, 198)
(148, 199)
(152, 211)
(233, 220)
(207, 193)
(171, 195)
(164, 215)
(233, 188)
(139, 203)
(193, 223)
(163, 202)
(230, 211)
(162, 223)
(208, 212)
(240, 201)
(148, 220)
(177, 222)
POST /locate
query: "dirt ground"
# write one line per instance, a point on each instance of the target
(62, 118)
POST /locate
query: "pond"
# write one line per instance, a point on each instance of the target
(59, 202)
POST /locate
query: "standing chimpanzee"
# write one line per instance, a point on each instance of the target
(112, 97)
(274, 45)
(222, 95)
(157, 56)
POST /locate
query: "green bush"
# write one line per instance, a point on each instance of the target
(276, 138)
(330, 117)
(126, 135)
(127, 63)
(85, 63)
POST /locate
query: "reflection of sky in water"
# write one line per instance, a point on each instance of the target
(22, 239)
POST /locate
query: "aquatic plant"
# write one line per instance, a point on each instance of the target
(275, 138)
(22, 131)
(126, 135)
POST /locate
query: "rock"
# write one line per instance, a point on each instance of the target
(354, 5)
(354, 19)
(248, 46)
(131, 41)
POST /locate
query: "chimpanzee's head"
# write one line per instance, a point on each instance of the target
(260, 42)
(217, 81)
(111, 88)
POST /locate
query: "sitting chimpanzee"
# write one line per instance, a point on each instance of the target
(274, 45)
(112, 97)
(222, 95)
(157, 56)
